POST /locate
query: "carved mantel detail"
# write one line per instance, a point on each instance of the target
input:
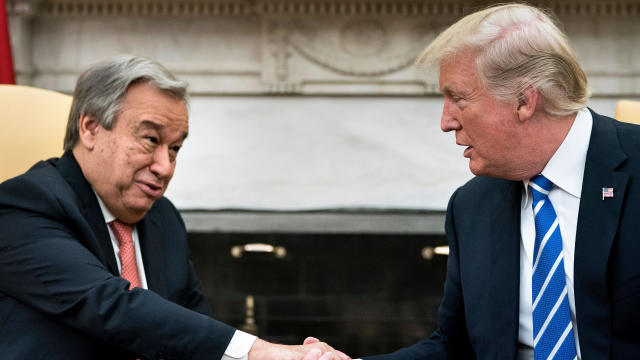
(364, 45)
(330, 52)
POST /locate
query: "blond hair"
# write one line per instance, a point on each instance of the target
(518, 47)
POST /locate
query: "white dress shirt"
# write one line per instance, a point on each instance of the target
(241, 342)
(566, 171)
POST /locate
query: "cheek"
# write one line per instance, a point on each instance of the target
(106, 161)
(128, 163)
(129, 160)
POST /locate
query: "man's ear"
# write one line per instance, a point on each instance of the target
(527, 104)
(88, 129)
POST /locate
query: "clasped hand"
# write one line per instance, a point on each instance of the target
(311, 349)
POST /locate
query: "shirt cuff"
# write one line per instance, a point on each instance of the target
(239, 346)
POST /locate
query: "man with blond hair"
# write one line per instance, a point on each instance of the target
(544, 242)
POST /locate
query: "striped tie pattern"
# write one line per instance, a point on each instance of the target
(552, 328)
(129, 268)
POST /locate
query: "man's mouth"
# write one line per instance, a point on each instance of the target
(467, 151)
(151, 189)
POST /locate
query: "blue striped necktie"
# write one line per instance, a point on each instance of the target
(552, 328)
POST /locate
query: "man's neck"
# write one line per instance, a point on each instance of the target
(548, 135)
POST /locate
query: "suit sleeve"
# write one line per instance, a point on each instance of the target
(450, 339)
(44, 265)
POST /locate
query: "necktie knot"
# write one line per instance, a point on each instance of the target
(540, 187)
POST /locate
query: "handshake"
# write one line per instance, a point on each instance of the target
(311, 349)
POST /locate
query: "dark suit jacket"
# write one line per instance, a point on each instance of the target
(478, 317)
(60, 293)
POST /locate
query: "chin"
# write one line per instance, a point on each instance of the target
(484, 169)
(477, 170)
(133, 216)
(138, 209)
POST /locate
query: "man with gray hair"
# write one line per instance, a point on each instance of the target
(93, 259)
(544, 243)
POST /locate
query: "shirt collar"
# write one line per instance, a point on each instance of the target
(565, 169)
(108, 217)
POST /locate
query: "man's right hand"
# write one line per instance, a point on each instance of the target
(263, 350)
(316, 354)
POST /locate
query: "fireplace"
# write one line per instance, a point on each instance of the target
(363, 292)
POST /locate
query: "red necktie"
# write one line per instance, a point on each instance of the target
(129, 268)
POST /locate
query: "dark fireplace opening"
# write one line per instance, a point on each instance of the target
(363, 294)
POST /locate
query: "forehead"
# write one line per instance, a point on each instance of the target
(148, 104)
(140, 94)
(458, 71)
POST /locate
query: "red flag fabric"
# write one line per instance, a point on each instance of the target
(7, 75)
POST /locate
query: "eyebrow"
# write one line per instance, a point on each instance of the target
(447, 90)
(459, 92)
(158, 127)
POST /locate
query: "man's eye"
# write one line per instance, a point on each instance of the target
(152, 139)
(460, 102)
(175, 148)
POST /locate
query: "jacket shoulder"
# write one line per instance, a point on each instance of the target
(629, 137)
(620, 135)
(41, 189)
(480, 188)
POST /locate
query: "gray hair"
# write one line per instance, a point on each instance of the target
(518, 47)
(101, 89)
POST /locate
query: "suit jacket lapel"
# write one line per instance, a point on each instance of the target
(504, 270)
(101, 244)
(148, 229)
(597, 226)
(152, 253)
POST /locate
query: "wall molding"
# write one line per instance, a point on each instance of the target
(200, 8)
(299, 47)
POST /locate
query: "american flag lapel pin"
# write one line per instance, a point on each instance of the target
(607, 192)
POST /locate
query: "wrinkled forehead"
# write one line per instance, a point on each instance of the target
(148, 107)
(461, 67)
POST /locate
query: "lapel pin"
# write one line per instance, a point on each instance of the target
(607, 193)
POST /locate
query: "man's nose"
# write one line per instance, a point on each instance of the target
(448, 121)
(162, 165)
